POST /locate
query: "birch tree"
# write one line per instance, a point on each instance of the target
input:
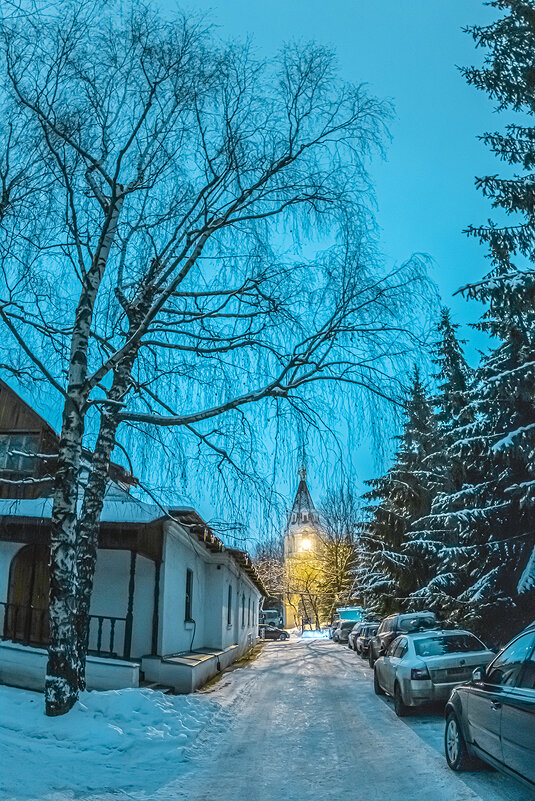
(160, 275)
(338, 535)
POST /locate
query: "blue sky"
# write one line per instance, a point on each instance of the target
(407, 51)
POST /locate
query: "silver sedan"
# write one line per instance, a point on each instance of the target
(425, 667)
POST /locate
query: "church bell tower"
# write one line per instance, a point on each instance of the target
(301, 543)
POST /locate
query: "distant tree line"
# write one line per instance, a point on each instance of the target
(451, 524)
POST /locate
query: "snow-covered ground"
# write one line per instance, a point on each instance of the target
(128, 739)
(301, 723)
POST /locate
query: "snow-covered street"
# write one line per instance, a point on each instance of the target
(307, 725)
(299, 723)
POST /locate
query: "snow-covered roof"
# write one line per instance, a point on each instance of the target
(115, 510)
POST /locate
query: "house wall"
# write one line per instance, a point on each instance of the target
(18, 418)
(213, 573)
(218, 641)
(180, 554)
(110, 598)
(24, 666)
(244, 628)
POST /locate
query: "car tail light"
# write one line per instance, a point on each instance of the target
(417, 674)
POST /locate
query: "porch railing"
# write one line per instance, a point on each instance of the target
(109, 636)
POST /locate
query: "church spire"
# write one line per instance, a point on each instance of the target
(303, 509)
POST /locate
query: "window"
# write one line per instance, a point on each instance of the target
(390, 651)
(188, 606)
(439, 645)
(243, 610)
(254, 613)
(401, 647)
(417, 623)
(18, 452)
(249, 611)
(507, 666)
(527, 679)
(229, 606)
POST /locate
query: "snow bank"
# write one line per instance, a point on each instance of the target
(115, 740)
(314, 634)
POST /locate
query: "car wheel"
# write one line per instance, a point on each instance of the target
(376, 686)
(400, 707)
(457, 755)
(371, 660)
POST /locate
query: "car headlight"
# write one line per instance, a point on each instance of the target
(419, 674)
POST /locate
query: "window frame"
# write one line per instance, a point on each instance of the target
(24, 441)
(520, 672)
(529, 661)
(188, 597)
(391, 648)
(229, 605)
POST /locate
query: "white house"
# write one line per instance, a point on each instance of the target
(171, 604)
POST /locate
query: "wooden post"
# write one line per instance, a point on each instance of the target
(156, 609)
(130, 611)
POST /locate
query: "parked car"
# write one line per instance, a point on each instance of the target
(333, 627)
(341, 632)
(353, 634)
(422, 668)
(362, 642)
(272, 632)
(394, 625)
(493, 716)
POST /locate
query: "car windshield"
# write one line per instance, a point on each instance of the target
(448, 644)
(408, 624)
(348, 624)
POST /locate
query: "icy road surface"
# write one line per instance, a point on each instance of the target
(303, 724)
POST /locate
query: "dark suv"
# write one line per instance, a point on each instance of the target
(493, 716)
(393, 626)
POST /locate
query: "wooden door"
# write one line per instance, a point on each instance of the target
(26, 618)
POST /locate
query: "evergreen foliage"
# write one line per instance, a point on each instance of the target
(476, 539)
(430, 534)
(387, 573)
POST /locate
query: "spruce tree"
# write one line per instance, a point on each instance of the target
(446, 474)
(492, 561)
(388, 575)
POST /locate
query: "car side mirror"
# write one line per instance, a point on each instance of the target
(479, 675)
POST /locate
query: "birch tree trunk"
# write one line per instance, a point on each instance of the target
(63, 664)
(63, 668)
(88, 525)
